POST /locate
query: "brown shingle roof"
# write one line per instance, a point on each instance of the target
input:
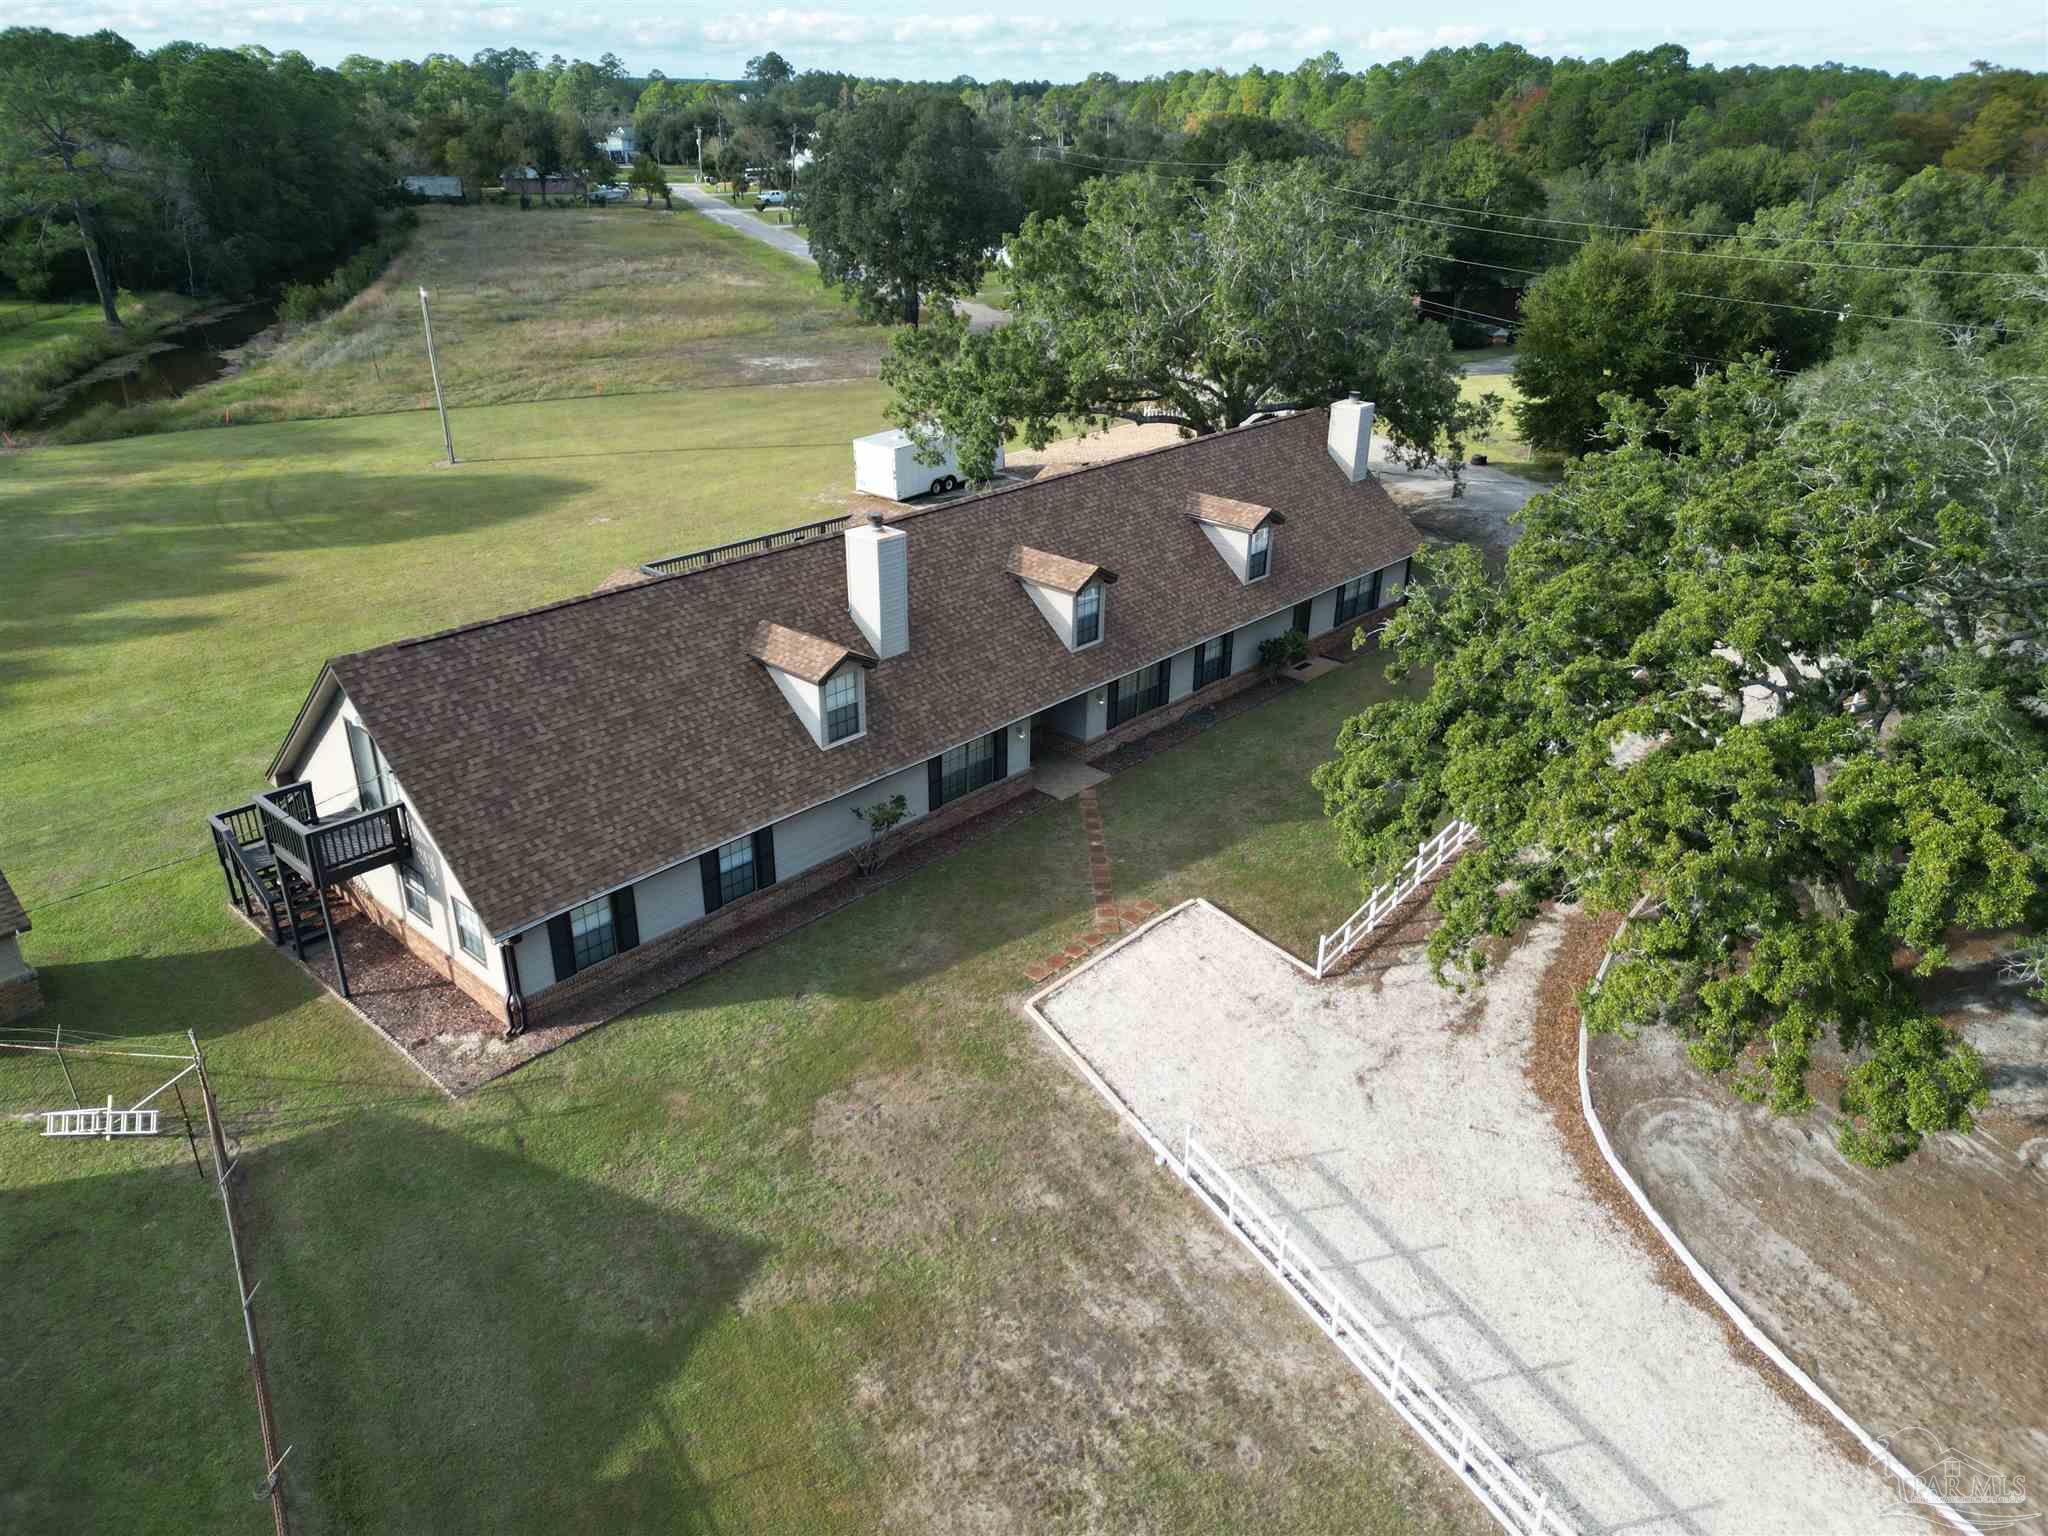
(1054, 571)
(1227, 512)
(12, 919)
(799, 654)
(565, 751)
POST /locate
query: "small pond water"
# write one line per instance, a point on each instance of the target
(190, 356)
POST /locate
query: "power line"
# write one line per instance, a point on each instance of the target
(1792, 261)
(1633, 229)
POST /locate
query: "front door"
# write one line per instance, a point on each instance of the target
(1302, 612)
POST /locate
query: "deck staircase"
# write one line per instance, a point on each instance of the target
(284, 864)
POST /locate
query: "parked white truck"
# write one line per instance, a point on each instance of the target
(886, 464)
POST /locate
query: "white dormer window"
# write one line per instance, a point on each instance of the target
(1240, 531)
(1070, 593)
(1088, 616)
(842, 706)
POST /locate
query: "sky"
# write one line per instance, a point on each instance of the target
(1066, 39)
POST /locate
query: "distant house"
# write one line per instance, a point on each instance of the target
(21, 992)
(559, 799)
(530, 183)
(443, 189)
(621, 145)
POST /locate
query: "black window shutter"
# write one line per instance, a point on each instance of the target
(563, 943)
(711, 896)
(1002, 751)
(1194, 671)
(764, 858)
(1109, 719)
(1373, 598)
(625, 920)
(1226, 656)
(934, 784)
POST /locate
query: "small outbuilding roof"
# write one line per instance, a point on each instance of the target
(12, 919)
(1055, 572)
(800, 655)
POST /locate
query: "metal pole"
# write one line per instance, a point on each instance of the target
(433, 367)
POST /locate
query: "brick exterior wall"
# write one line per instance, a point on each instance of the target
(20, 997)
(1337, 642)
(752, 908)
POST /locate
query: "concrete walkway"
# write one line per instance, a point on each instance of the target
(786, 239)
(1391, 1125)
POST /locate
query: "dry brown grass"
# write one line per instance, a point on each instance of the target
(550, 305)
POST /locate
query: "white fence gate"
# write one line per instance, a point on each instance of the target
(1507, 1495)
(1430, 856)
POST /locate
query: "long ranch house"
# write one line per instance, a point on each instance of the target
(545, 802)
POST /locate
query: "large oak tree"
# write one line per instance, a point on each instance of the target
(1200, 304)
(1774, 665)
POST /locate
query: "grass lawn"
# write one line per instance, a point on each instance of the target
(541, 305)
(1503, 447)
(826, 1242)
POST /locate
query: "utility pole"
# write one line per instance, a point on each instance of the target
(441, 405)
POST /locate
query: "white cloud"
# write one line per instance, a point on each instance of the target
(1062, 39)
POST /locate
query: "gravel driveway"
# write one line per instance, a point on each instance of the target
(1391, 1123)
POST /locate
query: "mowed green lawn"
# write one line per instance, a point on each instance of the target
(826, 1242)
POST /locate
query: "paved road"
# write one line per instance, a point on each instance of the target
(785, 238)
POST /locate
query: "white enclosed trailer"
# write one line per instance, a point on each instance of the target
(886, 464)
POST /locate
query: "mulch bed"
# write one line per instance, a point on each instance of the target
(461, 1047)
(1552, 1067)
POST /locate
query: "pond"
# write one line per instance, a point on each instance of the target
(180, 360)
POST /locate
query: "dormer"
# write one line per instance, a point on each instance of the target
(1242, 532)
(825, 683)
(1072, 594)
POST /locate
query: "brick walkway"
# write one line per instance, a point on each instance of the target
(1110, 919)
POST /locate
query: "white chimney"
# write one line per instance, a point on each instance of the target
(878, 584)
(1351, 436)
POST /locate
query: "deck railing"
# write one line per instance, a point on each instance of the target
(324, 851)
(782, 538)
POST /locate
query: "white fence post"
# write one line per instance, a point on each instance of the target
(1431, 854)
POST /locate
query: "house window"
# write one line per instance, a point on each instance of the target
(736, 874)
(469, 933)
(967, 768)
(416, 900)
(842, 706)
(1359, 596)
(1212, 662)
(1132, 695)
(1088, 615)
(373, 774)
(1262, 549)
(592, 936)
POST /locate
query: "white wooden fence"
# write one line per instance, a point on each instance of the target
(1506, 1494)
(1430, 856)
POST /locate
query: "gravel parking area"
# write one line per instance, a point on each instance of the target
(1390, 1121)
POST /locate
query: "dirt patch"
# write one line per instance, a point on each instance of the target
(1913, 1294)
(1389, 1123)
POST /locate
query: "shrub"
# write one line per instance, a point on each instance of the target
(881, 819)
(1284, 650)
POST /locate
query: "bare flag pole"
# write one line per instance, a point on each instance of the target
(433, 367)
